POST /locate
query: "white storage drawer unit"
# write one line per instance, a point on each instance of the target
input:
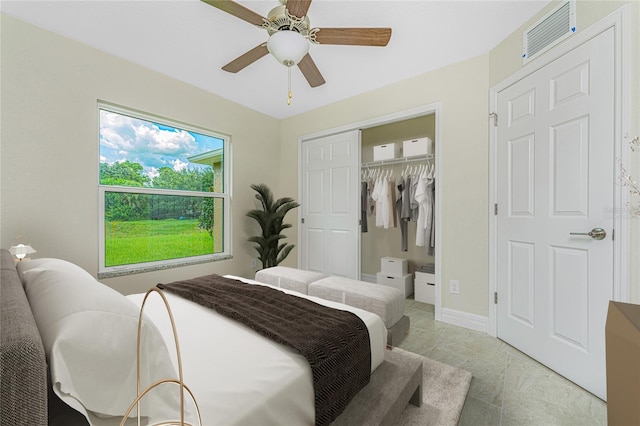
(387, 151)
(404, 283)
(420, 146)
(425, 288)
(394, 266)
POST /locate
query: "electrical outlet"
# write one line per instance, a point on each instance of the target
(454, 286)
(254, 263)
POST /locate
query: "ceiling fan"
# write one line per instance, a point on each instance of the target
(290, 34)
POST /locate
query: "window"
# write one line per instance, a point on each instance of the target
(164, 193)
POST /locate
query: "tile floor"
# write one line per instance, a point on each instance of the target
(508, 387)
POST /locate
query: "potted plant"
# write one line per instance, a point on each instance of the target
(271, 220)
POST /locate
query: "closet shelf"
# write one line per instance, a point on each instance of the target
(402, 160)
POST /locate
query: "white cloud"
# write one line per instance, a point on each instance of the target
(178, 165)
(152, 172)
(130, 137)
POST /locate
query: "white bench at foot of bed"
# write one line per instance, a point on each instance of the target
(288, 278)
(387, 302)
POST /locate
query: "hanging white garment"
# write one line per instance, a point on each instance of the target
(413, 204)
(420, 198)
(424, 199)
(371, 204)
(384, 190)
(377, 197)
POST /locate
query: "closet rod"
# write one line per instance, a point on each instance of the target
(398, 161)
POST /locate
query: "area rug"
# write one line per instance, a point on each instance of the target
(444, 390)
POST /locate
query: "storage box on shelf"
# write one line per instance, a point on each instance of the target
(394, 266)
(387, 151)
(420, 146)
(425, 288)
(394, 273)
(403, 283)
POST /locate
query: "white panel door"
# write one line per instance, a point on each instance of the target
(330, 206)
(555, 178)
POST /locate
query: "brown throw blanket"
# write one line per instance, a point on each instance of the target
(335, 342)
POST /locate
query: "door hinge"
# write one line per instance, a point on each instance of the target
(495, 297)
(302, 220)
(495, 118)
(613, 235)
(495, 209)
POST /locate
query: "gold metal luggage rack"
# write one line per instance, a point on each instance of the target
(179, 381)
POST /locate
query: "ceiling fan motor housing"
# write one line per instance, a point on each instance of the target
(279, 19)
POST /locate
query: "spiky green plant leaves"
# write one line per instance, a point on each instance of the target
(271, 220)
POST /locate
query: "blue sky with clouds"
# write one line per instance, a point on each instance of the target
(152, 145)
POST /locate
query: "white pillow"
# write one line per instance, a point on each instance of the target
(89, 332)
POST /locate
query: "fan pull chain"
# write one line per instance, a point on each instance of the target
(290, 95)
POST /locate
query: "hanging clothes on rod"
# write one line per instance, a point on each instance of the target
(425, 198)
(385, 197)
(394, 205)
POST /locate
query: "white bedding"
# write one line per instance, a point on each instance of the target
(239, 377)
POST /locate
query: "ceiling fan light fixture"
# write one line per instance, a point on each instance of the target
(288, 47)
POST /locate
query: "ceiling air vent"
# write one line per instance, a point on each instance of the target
(554, 27)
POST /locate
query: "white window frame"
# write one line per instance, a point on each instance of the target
(225, 195)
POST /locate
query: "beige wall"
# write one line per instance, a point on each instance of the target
(462, 89)
(379, 242)
(505, 60)
(49, 129)
(50, 86)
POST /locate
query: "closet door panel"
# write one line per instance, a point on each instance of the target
(330, 205)
(315, 249)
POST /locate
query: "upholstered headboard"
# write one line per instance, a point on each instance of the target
(23, 366)
(68, 346)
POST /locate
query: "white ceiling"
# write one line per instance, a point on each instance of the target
(190, 41)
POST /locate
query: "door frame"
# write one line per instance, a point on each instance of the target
(433, 108)
(619, 21)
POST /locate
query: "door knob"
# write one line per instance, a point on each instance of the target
(595, 233)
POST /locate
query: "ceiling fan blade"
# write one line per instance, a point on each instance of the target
(311, 71)
(247, 59)
(237, 10)
(354, 36)
(298, 8)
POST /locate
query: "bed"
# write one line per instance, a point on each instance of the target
(236, 376)
(270, 382)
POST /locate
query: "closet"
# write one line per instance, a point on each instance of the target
(381, 241)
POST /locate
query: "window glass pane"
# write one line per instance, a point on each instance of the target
(143, 228)
(141, 153)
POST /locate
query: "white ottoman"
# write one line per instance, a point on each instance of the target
(387, 302)
(288, 278)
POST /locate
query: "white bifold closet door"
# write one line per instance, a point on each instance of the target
(330, 205)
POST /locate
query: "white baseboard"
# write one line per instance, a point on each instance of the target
(369, 278)
(465, 319)
(450, 316)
